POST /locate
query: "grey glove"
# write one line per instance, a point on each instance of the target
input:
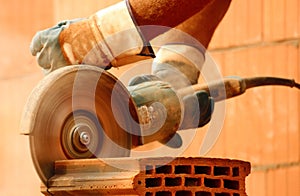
(178, 64)
(45, 46)
(197, 116)
(193, 116)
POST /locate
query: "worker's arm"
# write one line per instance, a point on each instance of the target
(111, 37)
(179, 62)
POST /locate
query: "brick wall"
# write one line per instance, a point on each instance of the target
(18, 75)
(262, 126)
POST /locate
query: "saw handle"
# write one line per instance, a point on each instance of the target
(233, 86)
(219, 90)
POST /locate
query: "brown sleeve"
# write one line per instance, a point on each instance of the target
(203, 24)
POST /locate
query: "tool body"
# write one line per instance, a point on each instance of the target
(234, 86)
(82, 111)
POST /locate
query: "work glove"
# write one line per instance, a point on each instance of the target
(107, 38)
(180, 65)
(197, 116)
(198, 106)
(158, 108)
(45, 46)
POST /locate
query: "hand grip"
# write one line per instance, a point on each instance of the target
(219, 90)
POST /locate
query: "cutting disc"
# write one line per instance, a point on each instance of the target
(75, 112)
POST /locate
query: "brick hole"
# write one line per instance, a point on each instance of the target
(163, 193)
(183, 193)
(203, 193)
(203, 170)
(183, 169)
(153, 182)
(235, 171)
(173, 181)
(163, 169)
(221, 171)
(212, 183)
(222, 194)
(149, 169)
(232, 184)
(149, 194)
(236, 194)
(192, 182)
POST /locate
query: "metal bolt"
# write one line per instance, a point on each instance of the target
(85, 138)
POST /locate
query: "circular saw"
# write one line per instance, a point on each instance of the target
(75, 112)
(82, 111)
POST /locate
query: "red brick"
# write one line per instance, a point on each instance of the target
(240, 22)
(280, 108)
(222, 36)
(256, 183)
(293, 180)
(270, 178)
(274, 20)
(68, 9)
(20, 21)
(277, 182)
(280, 182)
(274, 124)
(241, 25)
(292, 19)
(150, 176)
(17, 168)
(254, 21)
(293, 97)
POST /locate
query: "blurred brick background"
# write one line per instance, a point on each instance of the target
(259, 37)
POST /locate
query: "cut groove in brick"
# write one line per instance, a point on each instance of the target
(149, 169)
(203, 193)
(192, 182)
(163, 193)
(173, 181)
(183, 169)
(231, 184)
(183, 193)
(163, 169)
(212, 183)
(221, 171)
(153, 182)
(203, 170)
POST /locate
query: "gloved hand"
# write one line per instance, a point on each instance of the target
(198, 107)
(180, 66)
(158, 108)
(176, 66)
(107, 38)
(45, 46)
(197, 116)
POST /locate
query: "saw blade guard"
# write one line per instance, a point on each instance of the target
(69, 115)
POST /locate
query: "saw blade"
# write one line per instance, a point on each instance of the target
(79, 111)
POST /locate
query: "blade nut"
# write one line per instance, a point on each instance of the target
(85, 138)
